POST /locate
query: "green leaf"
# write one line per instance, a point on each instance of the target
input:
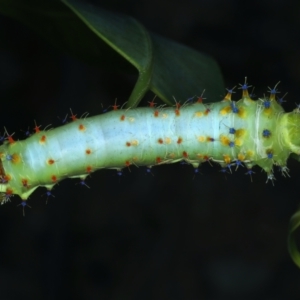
(102, 38)
(292, 246)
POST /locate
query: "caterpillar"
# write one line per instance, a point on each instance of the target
(232, 133)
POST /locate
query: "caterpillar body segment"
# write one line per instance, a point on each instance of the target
(231, 133)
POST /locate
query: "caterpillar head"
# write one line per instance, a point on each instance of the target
(290, 126)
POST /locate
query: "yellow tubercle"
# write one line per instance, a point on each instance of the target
(227, 158)
(241, 157)
(240, 133)
(16, 158)
(199, 114)
(246, 94)
(250, 153)
(224, 111)
(224, 140)
(242, 112)
(238, 142)
(201, 138)
(268, 111)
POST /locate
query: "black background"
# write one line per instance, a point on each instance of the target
(173, 235)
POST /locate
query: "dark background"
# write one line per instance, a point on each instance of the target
(173, 235)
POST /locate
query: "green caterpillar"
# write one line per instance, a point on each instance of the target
(245, 132)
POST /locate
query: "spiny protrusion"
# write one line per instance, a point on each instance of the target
(284, 171)
(9, 137)
(7, 195)
(200, 98)
(234, 108)
(48, 194)
(273, 91)
(177, 108)
(152, 103)
(245, 88)
(24, 204)
(229, 93)
(36, 128)
(250, 172)
(73, 117)
(281, 100)
(115, 106)
(271, 177)
(148, 170)
(82, 182)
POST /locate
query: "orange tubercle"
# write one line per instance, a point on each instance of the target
(207, 111)
(179, 141)
(7, 177)
(25, 182)
(9, 191)
(81, 127)
(43, 139)
(158, 160)
(10, 139)
(51, 161)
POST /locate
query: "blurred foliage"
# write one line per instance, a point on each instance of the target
(103, 38)
(293, 250)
